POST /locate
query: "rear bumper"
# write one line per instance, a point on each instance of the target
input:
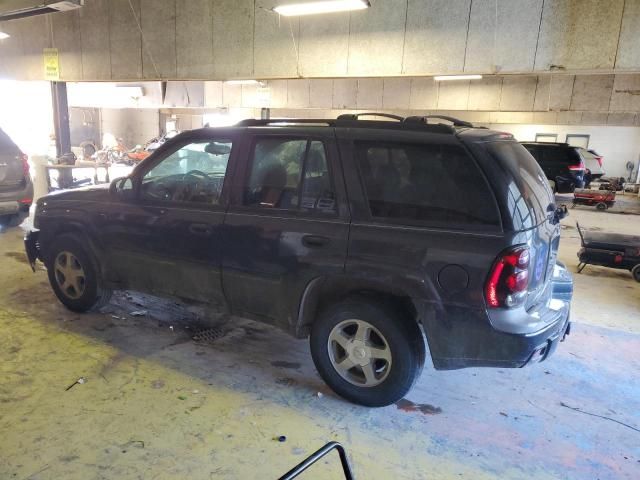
(9, 207)
(18, 200)
(460, 337)
(32, 247)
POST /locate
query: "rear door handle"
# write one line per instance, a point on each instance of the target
(313, 241)
(155, 210)
(200, 229)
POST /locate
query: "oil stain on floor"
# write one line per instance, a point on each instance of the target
(424, 408)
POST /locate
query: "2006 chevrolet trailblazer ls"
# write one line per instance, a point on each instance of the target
(359, 234)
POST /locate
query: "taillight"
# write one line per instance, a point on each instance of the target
(25, 164)
(508, 280)
(577, 167)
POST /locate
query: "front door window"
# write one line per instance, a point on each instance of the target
(192, 174)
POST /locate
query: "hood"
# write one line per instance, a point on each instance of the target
(93, 193)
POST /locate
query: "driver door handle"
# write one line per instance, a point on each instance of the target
(315, 241)
(200, 229)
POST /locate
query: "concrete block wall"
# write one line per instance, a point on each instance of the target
(564, 99)
(124, 40)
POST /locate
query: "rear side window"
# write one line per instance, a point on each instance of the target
(559, 155)
(290, 174)
(423, 184)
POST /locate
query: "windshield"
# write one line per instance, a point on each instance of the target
(531, 195)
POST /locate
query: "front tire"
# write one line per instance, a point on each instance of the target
(635, 271)
(367, 352)
(73, 275)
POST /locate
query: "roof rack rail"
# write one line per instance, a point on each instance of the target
(253, 122)
(425, 119)
(355, 116)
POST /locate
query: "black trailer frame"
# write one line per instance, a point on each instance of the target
(613, 250)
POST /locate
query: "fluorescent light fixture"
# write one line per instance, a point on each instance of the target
(444, 78)
(38, 7)
(4, 35)
(326, 6)
(243, 82)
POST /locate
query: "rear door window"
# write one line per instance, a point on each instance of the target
(289, 174)
(425, 184)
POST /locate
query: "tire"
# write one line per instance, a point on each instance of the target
(635, 271)
(601, 206)
(398, 337)
(83, 291)
(14, 220)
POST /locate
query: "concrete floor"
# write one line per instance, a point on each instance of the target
(157, 405)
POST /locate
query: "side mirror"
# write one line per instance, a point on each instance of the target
(122, 187)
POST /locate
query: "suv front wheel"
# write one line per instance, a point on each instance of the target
(73, 275)
(367, 352)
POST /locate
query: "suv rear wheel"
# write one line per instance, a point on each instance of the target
(367, 352)
(73, 275)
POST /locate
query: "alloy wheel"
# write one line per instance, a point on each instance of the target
(70, 275)
(359, 353)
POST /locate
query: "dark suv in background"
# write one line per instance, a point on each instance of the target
(565, 166)
(360, 234)
(16, 189)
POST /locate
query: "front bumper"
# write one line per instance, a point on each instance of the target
(32, 247)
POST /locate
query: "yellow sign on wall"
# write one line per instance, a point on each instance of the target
(51, 64)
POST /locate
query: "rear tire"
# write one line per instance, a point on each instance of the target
(601, 206)
(635, 271)
(9, 221)
(74, 276)
(367, 352)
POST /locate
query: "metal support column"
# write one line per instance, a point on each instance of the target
(62, 129)
(61, 117)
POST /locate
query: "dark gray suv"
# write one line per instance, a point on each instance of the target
(16, 189)
(360, 234)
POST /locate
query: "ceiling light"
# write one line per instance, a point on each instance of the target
(443, 78)
(327, 6)
(39, 7)
(4, 35)
(243, 82)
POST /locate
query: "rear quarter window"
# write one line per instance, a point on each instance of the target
(530, 194)
(426, 184)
